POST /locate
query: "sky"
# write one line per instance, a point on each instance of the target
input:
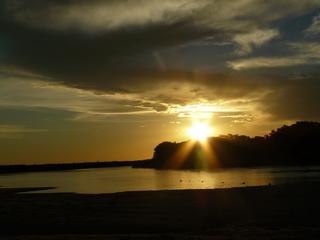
(87, 81)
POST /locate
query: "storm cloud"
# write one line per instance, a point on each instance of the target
(127, 47)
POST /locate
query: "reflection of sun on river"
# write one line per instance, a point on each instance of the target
(111, 180)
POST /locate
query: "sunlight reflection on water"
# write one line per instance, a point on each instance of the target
(111, 180)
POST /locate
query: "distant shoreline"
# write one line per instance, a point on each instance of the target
(23, 190)
(53, 167)
(6, 169)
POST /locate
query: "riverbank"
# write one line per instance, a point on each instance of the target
(7, 169)
(268, 212)
(4, 191)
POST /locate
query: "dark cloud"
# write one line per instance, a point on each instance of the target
(107, 47)
(55, 39)
(298, 99)
(102, 62)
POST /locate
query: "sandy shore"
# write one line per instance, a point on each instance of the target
(270, 212)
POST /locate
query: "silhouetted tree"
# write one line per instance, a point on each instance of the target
(297, 144)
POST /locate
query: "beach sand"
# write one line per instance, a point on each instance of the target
(268, 212)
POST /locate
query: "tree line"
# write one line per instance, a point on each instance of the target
(298, 144)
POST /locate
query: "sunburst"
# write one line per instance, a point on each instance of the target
(200, 131)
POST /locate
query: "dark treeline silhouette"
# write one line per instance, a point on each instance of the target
(298, 144)
(65, 166)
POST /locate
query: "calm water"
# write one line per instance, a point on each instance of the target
(111, 180)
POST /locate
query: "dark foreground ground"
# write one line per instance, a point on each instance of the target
(270, 212)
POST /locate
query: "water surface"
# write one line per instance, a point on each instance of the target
(111, 180)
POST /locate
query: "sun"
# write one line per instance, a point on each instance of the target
(200, 131)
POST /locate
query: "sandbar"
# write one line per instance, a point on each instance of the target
(288, 211)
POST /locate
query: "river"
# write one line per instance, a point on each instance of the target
(121, 179)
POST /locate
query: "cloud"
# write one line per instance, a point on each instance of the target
(16, 132)
(304, 53)
(214, 93)
(97, 58)
(18, 129)
(314, 28)
(267, 62)
(98, 15)
(295, 101)
(246, 42)
(18, 93)
(107, 46)
(307, 49)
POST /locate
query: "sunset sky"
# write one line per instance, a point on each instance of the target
(85, 81)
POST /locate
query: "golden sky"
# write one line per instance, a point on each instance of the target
(110, 80)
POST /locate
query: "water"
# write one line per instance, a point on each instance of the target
(111, 180)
